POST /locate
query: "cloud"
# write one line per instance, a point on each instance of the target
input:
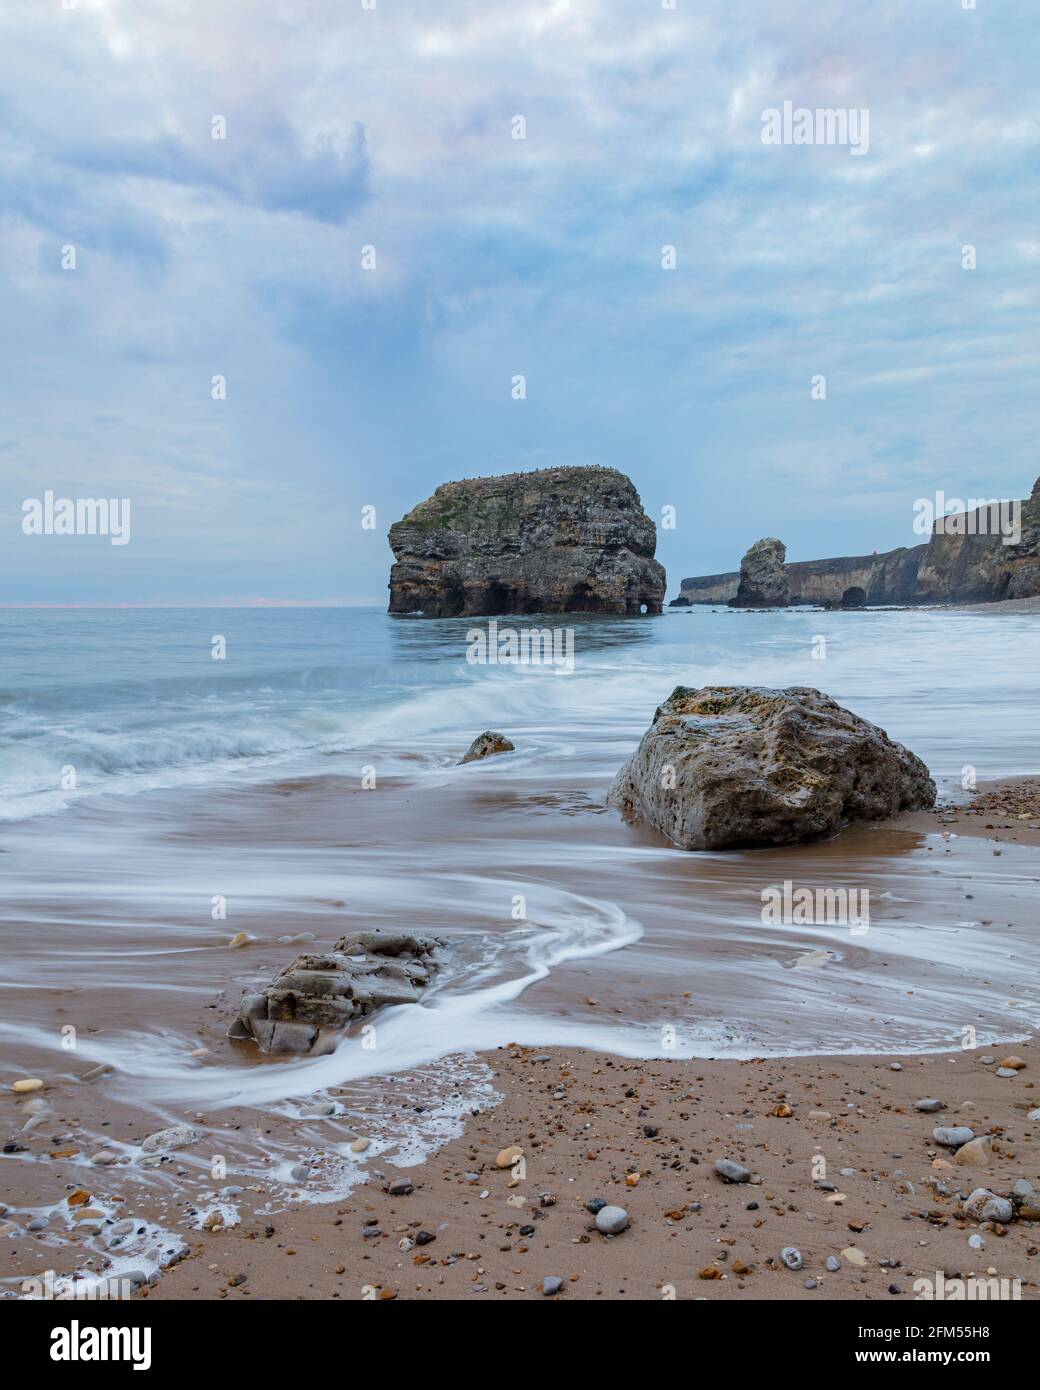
(393, 128)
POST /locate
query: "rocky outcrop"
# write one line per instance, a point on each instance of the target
(763, 579)
(967, 561)
(315, 997)
(726, 766)
(889, 578)
(561, 540)
(486, 745)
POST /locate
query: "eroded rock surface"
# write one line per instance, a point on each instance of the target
(737, 765)
(559, 540)
(316, 996)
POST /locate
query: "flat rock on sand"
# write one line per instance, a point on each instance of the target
(725, 766)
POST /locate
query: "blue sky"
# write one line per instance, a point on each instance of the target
(392, 127)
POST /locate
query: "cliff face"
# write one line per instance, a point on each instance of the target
(561, 540)
(962, 565)
(887, 578)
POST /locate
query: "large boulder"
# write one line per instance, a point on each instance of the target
(737, 765)
(558, 540)
(316, 996)
(763, 579)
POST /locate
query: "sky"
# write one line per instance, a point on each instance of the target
(390, 124)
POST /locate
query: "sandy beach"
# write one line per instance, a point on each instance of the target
(839, 1160)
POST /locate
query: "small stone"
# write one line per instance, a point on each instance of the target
(852, 1255)
(730, 1171)
(611, 1220)
(895, 1066)
(1012, 1063)
(998, 1209)
(792, 1257)
(977, 1153)
(551, 1285)
(300, 1172)
(360, 1145)
(36, 1223)
(319, 1110)
(595, 1204)
(953, 1136)
(104, 1159)
(240, 938)
(976, 1242)
(1008, 1073)
(929, 1104)
(833, 1263)
(176, 1137)
(22, 1088)
(810, 1283)
(505, 1158)
(401, 1187)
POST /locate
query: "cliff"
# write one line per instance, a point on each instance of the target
(964, 561)
(887, 578)
(560, 540)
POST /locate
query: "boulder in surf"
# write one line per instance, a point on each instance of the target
(316, 996)
(728, 766)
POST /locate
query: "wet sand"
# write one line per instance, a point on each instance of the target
(578, 1145)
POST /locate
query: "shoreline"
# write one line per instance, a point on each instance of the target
(582, 1134)
(853, 1110)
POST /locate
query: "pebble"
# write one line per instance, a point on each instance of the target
(998, 1209)
(37, 1223)
(895, 1066)
(505, 1158)
(176, 1137)
(401, 1187)
(929, 1104)
(976, 1242)
(854, 1256)
(833, 1263)
(319, 1110)
(611, 1220)
(977, 1153)
(730, 1171)
(551, 1285)
(1012, 1063)
(1008, 1073)
(22, 1088)
(595, 1204)
(792, 1257)
(360, 1145)
(953, 1136)
(847, 1172)
(299, 1172)
(104, 1159)
(810, 1283)
(123, 1227)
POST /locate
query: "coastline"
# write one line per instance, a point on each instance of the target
(692, 1235)
(583, 1134)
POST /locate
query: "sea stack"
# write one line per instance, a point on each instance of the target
(559, 540)
(763, 579)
